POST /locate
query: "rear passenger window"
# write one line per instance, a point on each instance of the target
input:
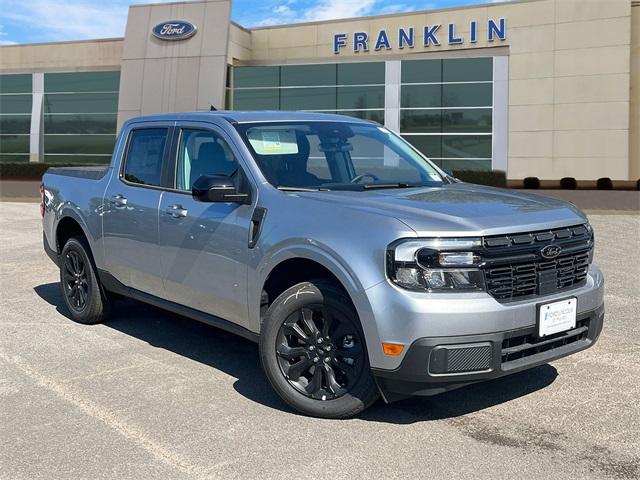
(144, 156)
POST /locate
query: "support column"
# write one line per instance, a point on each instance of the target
(392, 95)
(500, 128)
(35, 137)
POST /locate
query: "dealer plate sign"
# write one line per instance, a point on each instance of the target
(557, 317)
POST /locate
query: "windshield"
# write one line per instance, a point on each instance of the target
(336, 155)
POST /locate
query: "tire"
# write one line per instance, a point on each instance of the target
(298, 359)
(83, 295)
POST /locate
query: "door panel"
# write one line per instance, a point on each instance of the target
(203, 252)
(204, 246)
(130, 211)
(131, 236)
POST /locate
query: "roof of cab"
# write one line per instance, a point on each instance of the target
(232, 116)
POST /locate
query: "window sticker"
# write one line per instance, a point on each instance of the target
(273, 141)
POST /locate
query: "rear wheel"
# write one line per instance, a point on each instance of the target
(313, 351)
(81, 290)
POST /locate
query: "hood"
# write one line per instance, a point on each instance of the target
(459, 208)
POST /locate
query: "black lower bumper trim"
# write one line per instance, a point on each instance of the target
(511, 351)
(51, 253)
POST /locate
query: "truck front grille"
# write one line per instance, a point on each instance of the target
(515, 268)
(537, 278)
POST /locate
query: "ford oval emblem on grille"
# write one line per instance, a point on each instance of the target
(174, 30)
(551, 251)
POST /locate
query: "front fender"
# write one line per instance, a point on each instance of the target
(322, 254)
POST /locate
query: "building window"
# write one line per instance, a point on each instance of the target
(80, 116)
(355, 89)
(446, 105)
(446, 110)
(15, 117)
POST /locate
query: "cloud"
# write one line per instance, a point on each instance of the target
(285, 12)
(322, 10)
(331, 9)
(4, 34)
(282, 9)
(53, 20)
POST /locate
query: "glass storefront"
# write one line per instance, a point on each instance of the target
(80, 116)
(446, 110)
(15, 117)
(80, 112)
(446, 105)
(355, 89)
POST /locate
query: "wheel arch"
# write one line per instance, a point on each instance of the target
(290, 272)
(67, 227)
(321, 261)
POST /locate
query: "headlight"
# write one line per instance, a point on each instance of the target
(436, 264)
(593, 241)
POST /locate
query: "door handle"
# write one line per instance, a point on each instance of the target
(119, 199)
(176, 211)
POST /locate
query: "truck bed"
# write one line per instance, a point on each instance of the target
(90, 173)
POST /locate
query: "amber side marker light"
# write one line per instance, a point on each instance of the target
(393, 349)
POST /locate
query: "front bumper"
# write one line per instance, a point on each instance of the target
(435, 365)
(390, 314)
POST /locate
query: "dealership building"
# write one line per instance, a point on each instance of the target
(546, 88)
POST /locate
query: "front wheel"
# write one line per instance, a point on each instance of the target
(81, 290)
(313, 351)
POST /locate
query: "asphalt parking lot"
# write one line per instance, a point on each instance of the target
(152, 395)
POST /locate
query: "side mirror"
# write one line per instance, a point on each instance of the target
(218, 188)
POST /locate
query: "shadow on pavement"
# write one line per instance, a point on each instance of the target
(238, 357)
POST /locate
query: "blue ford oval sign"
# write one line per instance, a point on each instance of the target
(174, 30)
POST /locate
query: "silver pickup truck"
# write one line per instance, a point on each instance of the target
(360, 268)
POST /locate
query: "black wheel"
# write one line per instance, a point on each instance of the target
(81, 290)
(313, 351)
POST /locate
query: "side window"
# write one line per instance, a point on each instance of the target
(144, 156)
(202, 152)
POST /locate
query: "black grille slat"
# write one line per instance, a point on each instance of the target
(521, 346)
(498, 242)
(514, 267)
(544, 236)
(522, 239)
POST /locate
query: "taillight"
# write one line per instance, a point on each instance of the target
(42, 200)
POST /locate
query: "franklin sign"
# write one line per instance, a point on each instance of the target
(432, 35)
(174, 30)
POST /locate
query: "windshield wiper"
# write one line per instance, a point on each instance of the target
(302, 189)
(374, 186)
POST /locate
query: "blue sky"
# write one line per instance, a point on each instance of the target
(30, 21)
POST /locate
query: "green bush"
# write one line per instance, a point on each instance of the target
(493, 178)
(604, 183)
(34, 171)
(531, 182)
(568, 183)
